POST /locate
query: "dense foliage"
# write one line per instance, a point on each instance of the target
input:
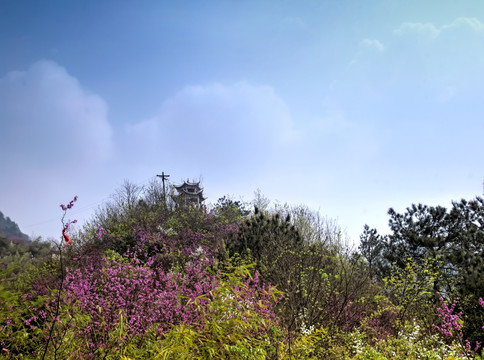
(146, 279)
(453, 240)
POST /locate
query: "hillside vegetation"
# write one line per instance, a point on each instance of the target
(10, 229)
(150, 279)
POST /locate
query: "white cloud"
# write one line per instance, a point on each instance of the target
(54, 139)
(373, 43)
(366, 47)
(48, 119)
(472, 23)
(445, 61)
(425, 29)
(431, 31)
(217, 127)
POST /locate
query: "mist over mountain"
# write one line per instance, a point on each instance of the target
(10, 229)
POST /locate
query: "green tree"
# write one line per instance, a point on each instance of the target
(265, 236)
(455, 238)
(371, 247)
(229, 210)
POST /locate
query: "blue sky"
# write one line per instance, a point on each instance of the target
(349, 107)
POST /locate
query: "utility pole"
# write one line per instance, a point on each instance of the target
(163, 178)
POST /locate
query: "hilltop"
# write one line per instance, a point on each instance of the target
(10, 229)
(159, 277)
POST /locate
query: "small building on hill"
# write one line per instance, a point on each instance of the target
(189, 193)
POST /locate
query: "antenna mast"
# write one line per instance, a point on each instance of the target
(163, 178)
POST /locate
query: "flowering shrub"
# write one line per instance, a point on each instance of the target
(450, 321)
(451, 326)
(238, 323)
(120, 286)
(114, 288)
(409, 343)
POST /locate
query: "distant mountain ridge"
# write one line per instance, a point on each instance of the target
(10, 229)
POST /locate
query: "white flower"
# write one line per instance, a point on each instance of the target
(305, 330)
(198, 252)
